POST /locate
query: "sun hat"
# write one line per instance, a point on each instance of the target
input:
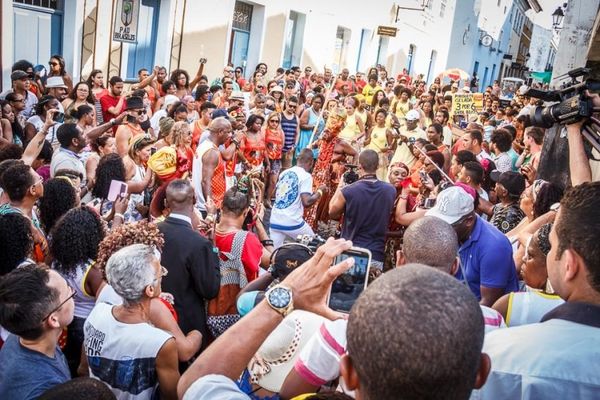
(452, 204)
(55, 82)
(276, 89)
(276, 356)
(237, 95)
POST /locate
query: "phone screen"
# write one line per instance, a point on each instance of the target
(347, 287)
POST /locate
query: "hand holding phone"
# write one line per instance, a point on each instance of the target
(347, 287)
(117, 189)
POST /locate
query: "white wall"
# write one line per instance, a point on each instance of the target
(575, 36)
(540, 48)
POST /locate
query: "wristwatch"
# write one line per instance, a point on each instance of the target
(279, 298)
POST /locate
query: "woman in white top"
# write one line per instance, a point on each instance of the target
(529, 307)
(36, 122)
(74, 244)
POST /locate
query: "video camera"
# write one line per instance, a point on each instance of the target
(351, 175)
(572, 103)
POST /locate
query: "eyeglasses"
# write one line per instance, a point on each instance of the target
(163, 272)
(292, 105)
(18, 101)
(274, 120)
(140, 112)
(73, 293)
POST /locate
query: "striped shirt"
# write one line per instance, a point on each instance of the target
(289, 127)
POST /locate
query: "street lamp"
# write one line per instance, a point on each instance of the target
(424, 5)
(557, 18)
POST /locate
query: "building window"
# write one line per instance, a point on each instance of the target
(294, 40)
(431, 64)
(342, 38)
(52, 4)
(499, 2)
(442, 10)
(240, 33)
(411, 54)
(430, 4)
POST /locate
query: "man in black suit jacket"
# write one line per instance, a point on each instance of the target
(192, 263)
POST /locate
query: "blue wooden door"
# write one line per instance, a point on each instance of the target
(141, 54)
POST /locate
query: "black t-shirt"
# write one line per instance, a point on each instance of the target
(369, 205)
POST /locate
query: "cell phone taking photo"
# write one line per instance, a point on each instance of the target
(58, 117)
(117, 189)
(348, 286)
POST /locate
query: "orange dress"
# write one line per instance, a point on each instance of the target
(274, 143)
(253, 147)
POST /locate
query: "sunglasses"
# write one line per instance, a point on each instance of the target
(18, 101)
(73, 292)
(274, 120)
(140, 112)
(460, 221)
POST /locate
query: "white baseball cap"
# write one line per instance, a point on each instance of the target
(412, 115)
(452, 204)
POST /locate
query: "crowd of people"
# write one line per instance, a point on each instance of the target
(175, 237)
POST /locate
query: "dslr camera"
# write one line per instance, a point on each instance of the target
(570, 103)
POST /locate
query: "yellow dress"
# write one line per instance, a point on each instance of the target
(378, 143)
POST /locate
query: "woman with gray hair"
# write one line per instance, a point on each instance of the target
(124, 350)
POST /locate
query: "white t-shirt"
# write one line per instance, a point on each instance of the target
(288, 211)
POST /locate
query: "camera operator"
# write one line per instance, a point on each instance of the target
(366, 206)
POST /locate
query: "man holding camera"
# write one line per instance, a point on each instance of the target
(366, 206)
(409, 132)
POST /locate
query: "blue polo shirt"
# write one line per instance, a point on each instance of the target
(487, 259)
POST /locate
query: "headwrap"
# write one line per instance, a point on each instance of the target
(165, 124)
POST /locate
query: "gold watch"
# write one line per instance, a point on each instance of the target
(279, 298)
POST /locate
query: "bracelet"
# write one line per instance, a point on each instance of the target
(403, 197)
(267, 242)
(320, 192)
(119, 215)
(113, 122)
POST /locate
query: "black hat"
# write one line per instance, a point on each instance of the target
(288, 257)
(18, 74)
(134, 102)
(513, 182)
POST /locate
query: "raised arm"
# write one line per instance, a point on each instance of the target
(33, 149)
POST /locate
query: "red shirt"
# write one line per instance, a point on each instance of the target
(107, 101)
(251, 253)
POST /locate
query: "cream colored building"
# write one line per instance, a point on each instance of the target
(177, 33)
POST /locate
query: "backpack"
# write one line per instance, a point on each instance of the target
(222, 311)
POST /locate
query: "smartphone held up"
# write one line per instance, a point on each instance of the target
(347, 287)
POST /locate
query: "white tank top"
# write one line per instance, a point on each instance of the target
(123, 356)
(529, 307)
(84, 302)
